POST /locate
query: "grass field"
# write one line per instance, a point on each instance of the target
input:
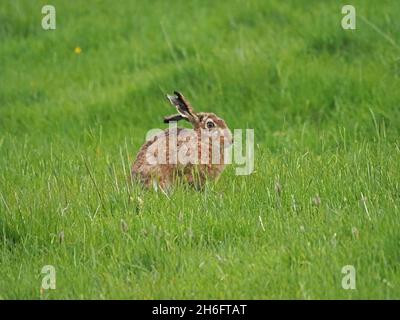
(324, 106)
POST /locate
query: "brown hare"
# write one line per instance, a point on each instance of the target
(179, 154)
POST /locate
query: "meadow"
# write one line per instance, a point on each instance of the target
(75, 106)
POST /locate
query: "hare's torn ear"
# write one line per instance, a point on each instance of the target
(183, 106)
(174, 117)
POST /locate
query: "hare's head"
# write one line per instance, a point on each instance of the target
(206, 122)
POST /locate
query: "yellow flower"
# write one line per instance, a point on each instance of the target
(78, 50)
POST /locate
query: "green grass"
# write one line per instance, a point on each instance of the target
(324, 104)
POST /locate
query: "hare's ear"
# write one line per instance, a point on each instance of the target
(183, 107)
(174, 117)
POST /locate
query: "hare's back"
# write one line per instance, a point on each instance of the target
(164, 146)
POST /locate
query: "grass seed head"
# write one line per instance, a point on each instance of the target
(278, 188)
(124, 226)
(317, 201)
(61, 237)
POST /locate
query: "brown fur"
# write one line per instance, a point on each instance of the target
(164, 175)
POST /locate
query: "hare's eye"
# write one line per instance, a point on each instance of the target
(210, 124)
